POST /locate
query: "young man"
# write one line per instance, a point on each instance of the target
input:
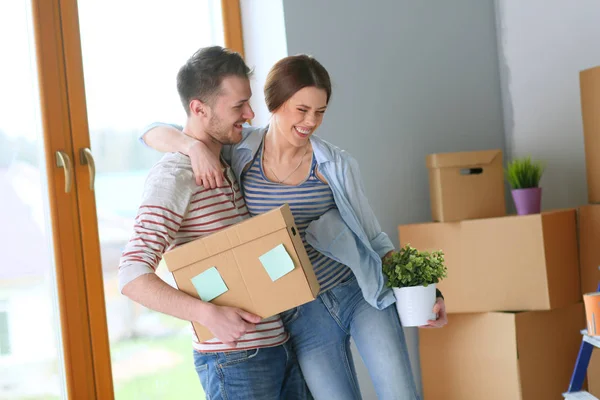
(250, 357)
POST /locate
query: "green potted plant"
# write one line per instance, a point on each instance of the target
(413, 275)
(523, 176)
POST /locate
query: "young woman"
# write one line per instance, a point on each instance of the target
(285, 163)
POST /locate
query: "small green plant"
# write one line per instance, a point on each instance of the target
(411, 267)
(522, 173)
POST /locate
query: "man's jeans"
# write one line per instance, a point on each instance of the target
(270, 373)
(320, 336)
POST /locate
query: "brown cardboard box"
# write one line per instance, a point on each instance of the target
(589, 247)
(589, 82)
(514, 263)
(516, 356)
(235, 253)
(466, 185)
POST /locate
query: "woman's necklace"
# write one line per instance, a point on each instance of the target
(294, 170)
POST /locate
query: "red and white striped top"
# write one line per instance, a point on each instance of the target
(174, 211)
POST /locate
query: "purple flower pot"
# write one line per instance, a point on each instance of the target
(528, 201)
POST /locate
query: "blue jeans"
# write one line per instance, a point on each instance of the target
(320, 336)
(258, 374)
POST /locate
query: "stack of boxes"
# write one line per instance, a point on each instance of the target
(589, 215)
(513, 292)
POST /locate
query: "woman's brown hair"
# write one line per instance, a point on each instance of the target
(290, 74)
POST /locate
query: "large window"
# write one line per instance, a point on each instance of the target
(82, 79)
(28, 308)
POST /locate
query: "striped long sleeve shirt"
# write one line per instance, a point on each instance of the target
(174, 210)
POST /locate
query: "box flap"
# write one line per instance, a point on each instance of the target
(462, 159)
(228, 238)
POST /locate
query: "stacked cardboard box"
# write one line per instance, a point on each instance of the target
(589, 82)
(513, 291)
(589, 215)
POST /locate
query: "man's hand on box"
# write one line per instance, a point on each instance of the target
(206, 166)
(229, 324)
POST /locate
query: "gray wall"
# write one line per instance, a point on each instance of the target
(410, 78)
(540, 60)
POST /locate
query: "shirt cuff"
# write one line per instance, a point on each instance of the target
(132, 272)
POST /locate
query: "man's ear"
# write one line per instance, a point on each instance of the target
(198, 108)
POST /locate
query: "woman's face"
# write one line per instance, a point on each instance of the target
(300, 116)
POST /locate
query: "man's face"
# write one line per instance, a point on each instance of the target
(230, 109)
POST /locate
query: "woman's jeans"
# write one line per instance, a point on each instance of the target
(320, 336)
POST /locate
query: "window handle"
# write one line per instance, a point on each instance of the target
(64, 161)
(86, 158)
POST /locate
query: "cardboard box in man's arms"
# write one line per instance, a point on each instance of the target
(259, 265)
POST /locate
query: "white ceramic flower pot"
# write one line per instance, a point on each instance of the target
(415, 304)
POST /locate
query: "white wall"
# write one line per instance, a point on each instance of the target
(542, 47)
(264, 44)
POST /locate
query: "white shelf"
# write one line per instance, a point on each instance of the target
(593, 340)
(579, 396)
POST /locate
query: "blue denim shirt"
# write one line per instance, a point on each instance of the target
(350, 234)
